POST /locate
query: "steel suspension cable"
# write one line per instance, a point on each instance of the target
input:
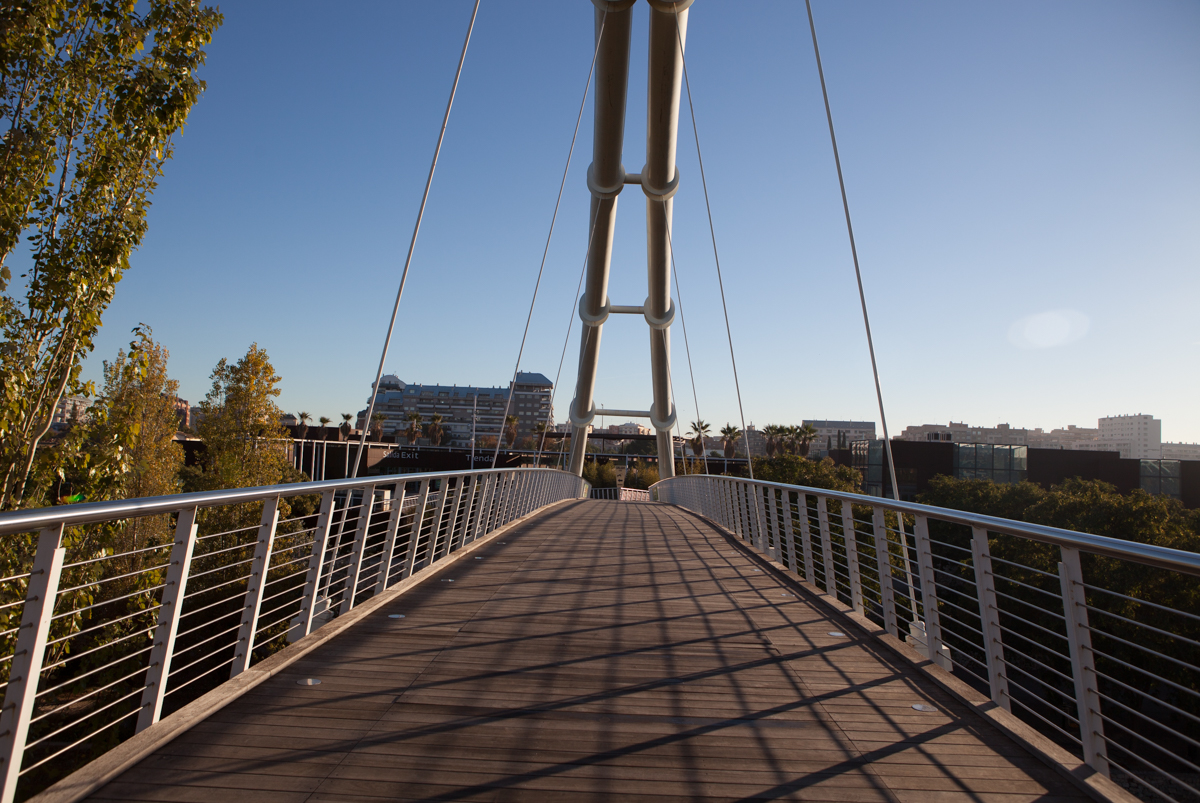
(686, 348)
(566, 340)
(553, 219)
(387, 341)
(862, 297)
(713, 232)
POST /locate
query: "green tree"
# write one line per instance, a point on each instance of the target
(730, 435)
(435, 430)
(697, 434)
(641, 475)
(303, 418)
(773, 435)
(413, 430)
(510, 429)
(243, 439)
(377, 420)
(345, 428)
(795, 470)
(92, 94)
(803, 436)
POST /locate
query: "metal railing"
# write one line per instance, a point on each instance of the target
(114, 614)
(1091, 640)
(621, 494)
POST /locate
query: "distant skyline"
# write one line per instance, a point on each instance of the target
(1024, 179)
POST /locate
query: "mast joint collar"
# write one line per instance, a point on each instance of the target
(605, 193)
(657, 323)
(661, 424)
(654, 193)
(594, 320)
(582, 421)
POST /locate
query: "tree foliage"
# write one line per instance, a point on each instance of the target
(795, 470)
(92, 93)
(243, 437)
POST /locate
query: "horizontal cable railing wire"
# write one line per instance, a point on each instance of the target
(1090, 640)
(115, 614)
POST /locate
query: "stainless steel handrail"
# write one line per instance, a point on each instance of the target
(23, 521)
(1176, 560)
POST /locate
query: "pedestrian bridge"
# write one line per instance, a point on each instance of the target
(496, 635)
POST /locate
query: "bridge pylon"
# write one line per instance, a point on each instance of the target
(659, 180)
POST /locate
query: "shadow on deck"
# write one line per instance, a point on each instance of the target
(602, 650)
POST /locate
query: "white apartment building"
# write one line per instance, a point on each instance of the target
(69, 410)
(1134, 436)
(1181, 451)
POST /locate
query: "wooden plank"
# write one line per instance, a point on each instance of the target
(617, 650)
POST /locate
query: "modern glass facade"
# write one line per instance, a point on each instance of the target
(986, 461)
(1162, 477)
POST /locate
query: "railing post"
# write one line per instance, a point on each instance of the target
(850, 533)
(989, 615)
(418, 522)
(776, 524)
(789, 532)
(254, 588)
(826, 547)
(929, 601)
(470, 513)
(366, 510)
(810, 572)
(1083, 669)
(883, 565)
(389, 540)
(168, 618)
(481, 518)
(302, 625)
(29, 654)
(435, 534)
(760, 520)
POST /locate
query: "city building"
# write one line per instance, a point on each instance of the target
(964, 433)
(1135, 437)
(183, 412)
(69, 410)
(1181, 451)
(464, 408)
(838, 435)
(917, 462)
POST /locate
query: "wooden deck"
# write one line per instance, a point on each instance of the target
(602, 651)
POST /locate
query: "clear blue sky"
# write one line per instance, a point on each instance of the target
(1003, 161)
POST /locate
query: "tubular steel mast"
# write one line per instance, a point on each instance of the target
(659, 181)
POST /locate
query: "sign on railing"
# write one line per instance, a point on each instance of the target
(113, 615)
(1091, 640)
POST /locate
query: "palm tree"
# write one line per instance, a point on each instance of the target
(303, 418)
(413, 430)
(805, 435)
(696, 435)
(377, 425)
(510, 429)
(435, 431)
(730, 435)
(345, 427)
(324, 422)
(773, 438)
